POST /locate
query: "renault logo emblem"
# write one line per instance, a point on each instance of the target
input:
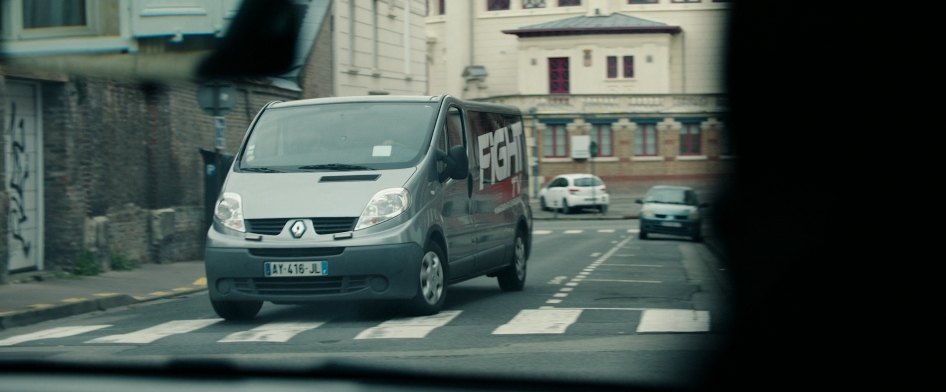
(297, 229)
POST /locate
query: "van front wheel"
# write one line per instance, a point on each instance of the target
(513, 277)
(236, 310)
(431, 287)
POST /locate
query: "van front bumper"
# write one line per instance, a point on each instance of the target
(368, 272)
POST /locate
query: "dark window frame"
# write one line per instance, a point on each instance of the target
(497, 5)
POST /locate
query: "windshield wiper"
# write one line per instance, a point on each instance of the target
(260, 170)
(335, 166)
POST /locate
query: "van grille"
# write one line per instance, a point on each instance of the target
(316, 285)
(274, 226)
(333, 225)
(266, 226)
(296, 252)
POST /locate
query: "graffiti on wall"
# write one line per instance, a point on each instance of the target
(19, 173)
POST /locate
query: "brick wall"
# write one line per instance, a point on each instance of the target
(318, 76)
(3, 188)
(123, 172)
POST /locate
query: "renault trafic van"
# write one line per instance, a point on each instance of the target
(370, 198)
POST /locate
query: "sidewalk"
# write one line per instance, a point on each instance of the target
(51, 298)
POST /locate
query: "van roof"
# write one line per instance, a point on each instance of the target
(474, 105)
(364, 98)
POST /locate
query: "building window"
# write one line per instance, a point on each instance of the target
(612, 67)
(555, 141)
(628, 66)
(685, 1)
(642, 1)
(497, 5)
(690, 139)
(533, 3)
(645, 140)
(441, 7)
(567, 3)
(558, 75)
(53, 13)
(604, 136)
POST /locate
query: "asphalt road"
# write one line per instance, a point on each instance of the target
(600, 304)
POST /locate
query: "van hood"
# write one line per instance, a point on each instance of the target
(669, 209)
(312, 194)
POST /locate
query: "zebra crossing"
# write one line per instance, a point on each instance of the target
(543, 321)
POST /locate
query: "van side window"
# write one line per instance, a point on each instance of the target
(454, 127)
(452, 137)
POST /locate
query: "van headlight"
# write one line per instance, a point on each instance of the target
(385, 204)
(229, 211)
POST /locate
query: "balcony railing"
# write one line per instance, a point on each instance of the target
(616, 103)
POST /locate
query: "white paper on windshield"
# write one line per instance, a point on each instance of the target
(381, 151)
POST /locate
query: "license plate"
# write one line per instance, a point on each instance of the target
(295, 268)
(671, 224)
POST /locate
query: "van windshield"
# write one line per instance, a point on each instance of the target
(667, 196)
(339, 137)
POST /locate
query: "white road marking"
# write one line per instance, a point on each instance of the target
(541, 232)
(156, 332)
(605, 230)
(566, 289)
(596, 254)
(633, 230)
(574, 231)
(572, 284)
(539, 321)
(623, 280)
(560, 295)
(409, 328)
(558, 280)
(674, 320)
(553, 301)
(52, 333)
(271, 332)
(635, 265)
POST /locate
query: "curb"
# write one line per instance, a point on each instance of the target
(19, 318)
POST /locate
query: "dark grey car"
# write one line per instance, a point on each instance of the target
(673, 210)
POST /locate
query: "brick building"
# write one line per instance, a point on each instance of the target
(102, 131)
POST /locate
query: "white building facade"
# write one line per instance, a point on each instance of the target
(643, 79)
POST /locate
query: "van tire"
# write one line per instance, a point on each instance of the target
(431, 287)
(513, 277)
(236, 310)
(542, 204)
(565, 208)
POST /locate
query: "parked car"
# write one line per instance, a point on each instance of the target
(671, 210)
(572, 192)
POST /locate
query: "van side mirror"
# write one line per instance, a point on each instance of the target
(639, 201)
(458, 166)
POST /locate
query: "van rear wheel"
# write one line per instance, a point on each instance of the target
(431, 287)
(237, 310)
(513, 277)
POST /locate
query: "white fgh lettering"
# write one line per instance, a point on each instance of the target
(496, 150)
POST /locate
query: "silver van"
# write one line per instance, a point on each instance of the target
(368, 198)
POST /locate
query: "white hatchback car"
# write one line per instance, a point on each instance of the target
(573, 192)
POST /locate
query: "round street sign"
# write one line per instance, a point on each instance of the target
(216, 97)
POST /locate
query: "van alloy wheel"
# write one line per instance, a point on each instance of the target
(513, 277)
(431, 287)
